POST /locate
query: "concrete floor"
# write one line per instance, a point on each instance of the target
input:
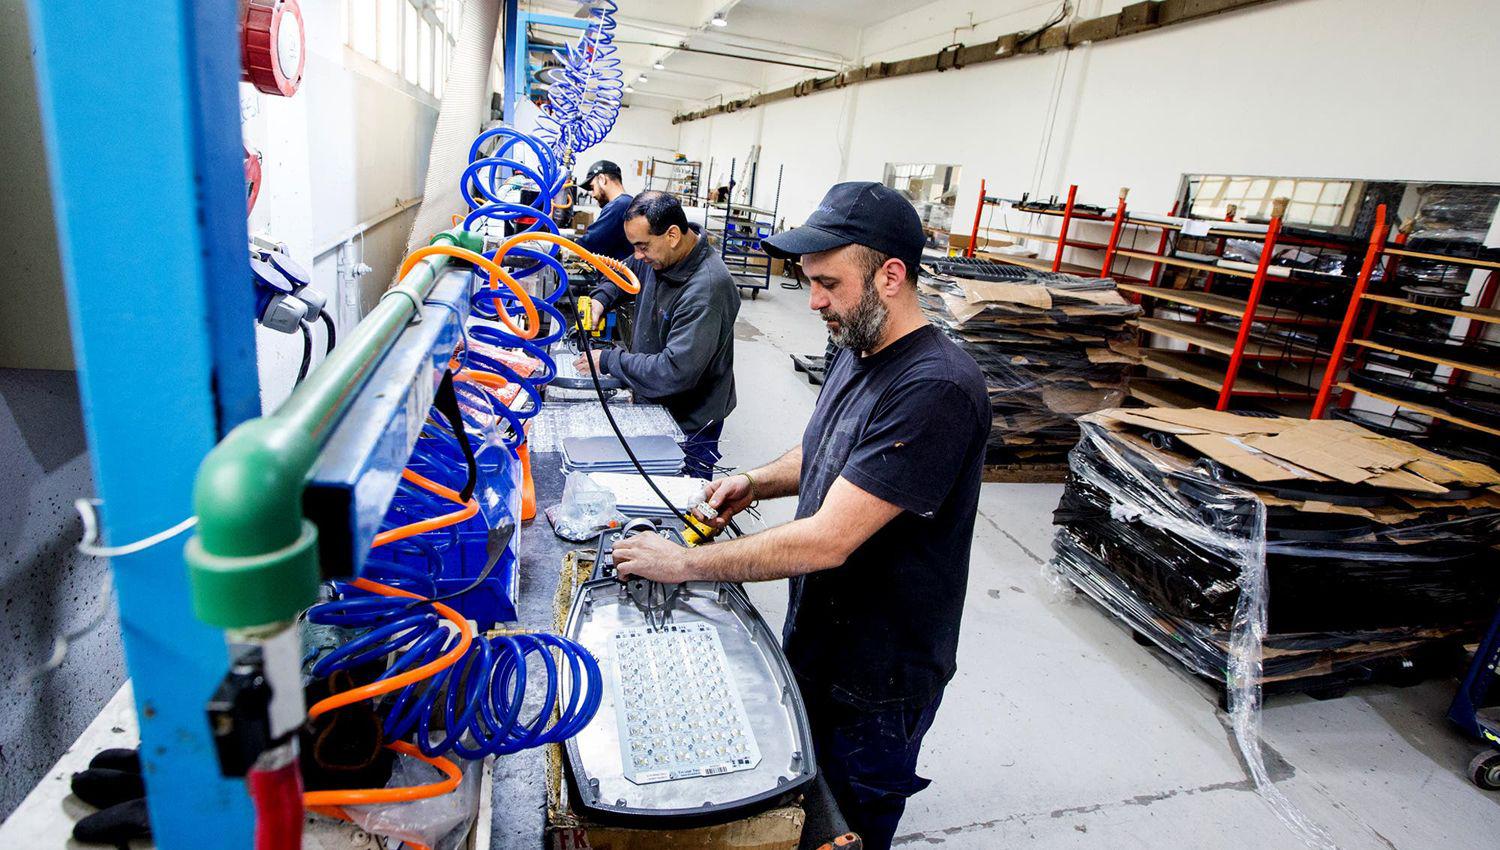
(1059, 731)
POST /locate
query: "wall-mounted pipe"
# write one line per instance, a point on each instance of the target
(1133, 19)
(253, 559)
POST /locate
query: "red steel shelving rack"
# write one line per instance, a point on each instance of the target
(1480, 314)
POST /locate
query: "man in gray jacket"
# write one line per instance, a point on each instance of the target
(682, 352)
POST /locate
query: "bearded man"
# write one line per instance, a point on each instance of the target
(887, 480)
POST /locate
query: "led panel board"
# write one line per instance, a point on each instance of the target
(719, 667)
(679, 711)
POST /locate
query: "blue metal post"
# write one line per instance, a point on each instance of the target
(512, 33)
(518, 52)
(139, 105)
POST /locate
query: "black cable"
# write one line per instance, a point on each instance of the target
(327, 322)
(306, 350)
(445, 402)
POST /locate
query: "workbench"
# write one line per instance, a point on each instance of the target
(518, 819)
(518, 790)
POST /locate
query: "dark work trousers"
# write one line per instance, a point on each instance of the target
(702, 450)
(869, 758)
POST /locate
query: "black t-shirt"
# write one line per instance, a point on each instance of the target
(908, 425)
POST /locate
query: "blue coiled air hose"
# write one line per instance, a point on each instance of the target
(477, 702)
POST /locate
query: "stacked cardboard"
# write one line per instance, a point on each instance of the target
(1052, 347)
(1366, 553)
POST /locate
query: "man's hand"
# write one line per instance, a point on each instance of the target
(652, 556)
(581, 363)
(590, 316)
(728, 496)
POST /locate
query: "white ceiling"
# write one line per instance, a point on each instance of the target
(792, 39)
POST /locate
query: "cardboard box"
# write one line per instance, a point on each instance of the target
(1284, 449)
(777, 829)
(581, 220)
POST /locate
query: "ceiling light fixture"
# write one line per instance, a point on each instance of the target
(629, 89)
(657, 65)
(641, 78)
(719, 20)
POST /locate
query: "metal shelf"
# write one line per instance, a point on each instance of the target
(1221, 341)
(1207, 371)
(1441, 361)
(1420, 408)
(740, 235)
(1223, 304)
(1360, 339)
(1477, 314)
(1443, 258)
(1043, 237)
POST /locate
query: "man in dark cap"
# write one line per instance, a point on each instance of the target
(887, 480)
(606, 235)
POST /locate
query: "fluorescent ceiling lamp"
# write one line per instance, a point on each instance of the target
(657, 65)
(629, 89)
(719, 20)
(641, 78)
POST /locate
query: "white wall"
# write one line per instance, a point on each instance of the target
(640, 133)
(1354, 88)
(351, 144)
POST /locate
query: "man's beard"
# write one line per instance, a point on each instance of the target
(861, 328)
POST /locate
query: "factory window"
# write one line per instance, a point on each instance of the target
(931, 188)
(362, 29)
(425, 63)
(1318, 202)
(388, 13)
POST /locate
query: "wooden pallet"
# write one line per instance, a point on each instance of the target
(1026, 473)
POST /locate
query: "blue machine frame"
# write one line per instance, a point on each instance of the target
(160, 312)
(518, 70)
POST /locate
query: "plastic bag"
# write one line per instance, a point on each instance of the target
(586, 510)
(439, 822)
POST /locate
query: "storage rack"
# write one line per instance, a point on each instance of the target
(744, 226)
(1199, 375)
(1359, 332)
(679, 178)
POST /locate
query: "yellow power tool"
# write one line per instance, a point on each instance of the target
(698, 530)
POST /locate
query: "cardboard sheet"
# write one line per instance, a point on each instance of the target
(1280, 448)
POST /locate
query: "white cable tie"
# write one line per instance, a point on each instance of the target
(90, 544)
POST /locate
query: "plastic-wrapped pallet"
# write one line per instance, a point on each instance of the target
(1278, 553)
(1371, 549)
(1052, 346)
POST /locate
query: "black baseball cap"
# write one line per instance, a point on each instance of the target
(603, 166)
(857, 213)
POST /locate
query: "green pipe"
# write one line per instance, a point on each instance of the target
(253, 559)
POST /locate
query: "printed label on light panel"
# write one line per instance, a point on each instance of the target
(677, 708)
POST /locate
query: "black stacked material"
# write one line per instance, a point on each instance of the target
(1167, 531)
(1052, 347)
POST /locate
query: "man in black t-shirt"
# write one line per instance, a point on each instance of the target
(887, 479)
